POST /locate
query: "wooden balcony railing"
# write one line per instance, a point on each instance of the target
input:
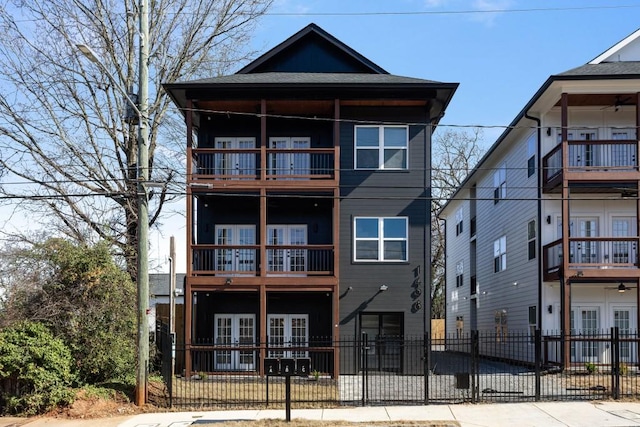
(591, 156)
(244, 260)
(592, 252)
(281, 164)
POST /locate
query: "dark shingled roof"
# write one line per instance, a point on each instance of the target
(308, 78)
(605, 69)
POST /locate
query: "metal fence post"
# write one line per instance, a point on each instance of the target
(364, 348)
(615, 362)
(538, 361)
(427, 365)
(475, 352)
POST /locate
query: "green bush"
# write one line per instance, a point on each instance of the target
(35, 370)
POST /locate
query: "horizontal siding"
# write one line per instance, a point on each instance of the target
(378, 194)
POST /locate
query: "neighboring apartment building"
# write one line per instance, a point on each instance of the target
(544, 232)
(307, 206)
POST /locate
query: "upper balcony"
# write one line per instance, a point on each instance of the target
(591, 161)
(594, 257)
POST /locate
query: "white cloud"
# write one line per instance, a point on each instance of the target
(489, 10)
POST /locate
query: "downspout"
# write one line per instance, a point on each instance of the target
(539, 222)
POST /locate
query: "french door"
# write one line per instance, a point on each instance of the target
(235, 164)
(623, 252)
(288, 161)
(624, 320)
(236, 260)
(235, 330)
(582, 251)
(287, 260)
(286, 331)
(585, 321)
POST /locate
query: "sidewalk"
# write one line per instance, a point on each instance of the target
(574, 414)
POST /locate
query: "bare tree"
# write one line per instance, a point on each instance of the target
(455, 154)
(67, 144)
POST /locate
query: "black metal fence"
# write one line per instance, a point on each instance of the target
(475, 367)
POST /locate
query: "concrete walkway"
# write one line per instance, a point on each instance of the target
(574, 414)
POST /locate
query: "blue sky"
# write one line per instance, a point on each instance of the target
(499, 58)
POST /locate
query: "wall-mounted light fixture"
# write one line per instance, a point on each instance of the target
(228, 281)
(548, 219)
(383, 288)
(515, 283)
(548, 131)
(622, 288)
(550, 309)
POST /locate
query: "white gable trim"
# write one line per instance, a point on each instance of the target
(608, 55)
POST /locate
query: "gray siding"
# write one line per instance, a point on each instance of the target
(378, 194)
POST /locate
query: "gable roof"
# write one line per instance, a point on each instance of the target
(597, 69)
(628, 49)
(324, 53)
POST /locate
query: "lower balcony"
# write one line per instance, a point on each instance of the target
(592, 253)
(290, 260)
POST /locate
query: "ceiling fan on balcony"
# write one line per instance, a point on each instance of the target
(621, 288)
(619, 101)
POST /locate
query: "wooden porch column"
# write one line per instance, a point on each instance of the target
(336, 239)
(263, 140)
(262, 227)
(565, 319)
(188, 300)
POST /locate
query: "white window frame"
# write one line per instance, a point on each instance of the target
(459, 274)
(459, 222)
(381, 147)
(381, 239)
(531, 239)
(531, 155)
(500, 254)
(500, 183)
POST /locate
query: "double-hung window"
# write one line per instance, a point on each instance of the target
(459, 274)
(500, 254)
(531, 155)
(381, 147)
(380, 239)
(459, 222)
(500, 183)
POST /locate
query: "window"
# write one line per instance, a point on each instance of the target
(532, 323)
(501, 325)
(380, 239)
(500, 254)
(459, 326)
(459, 274)
(531, 239)
(459, 223)
(500, 184)
(531, 155)
(381, 147)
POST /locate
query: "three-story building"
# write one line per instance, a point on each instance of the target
(307, 206)
(553, 213)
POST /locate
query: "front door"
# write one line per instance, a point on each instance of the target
(383, 331)
(289, 333)
(234, 330)
(289, 259)
(235, 259)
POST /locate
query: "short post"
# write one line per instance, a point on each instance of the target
(287, 368)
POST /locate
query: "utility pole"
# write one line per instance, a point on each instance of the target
(143, 207)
